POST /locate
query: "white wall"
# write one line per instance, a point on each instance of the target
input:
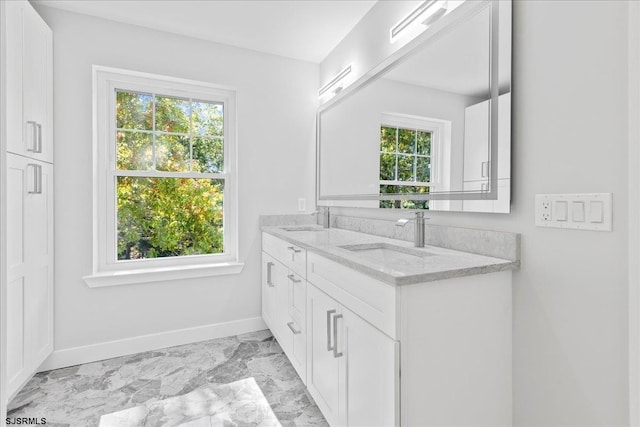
(276, 105)
(569, 135)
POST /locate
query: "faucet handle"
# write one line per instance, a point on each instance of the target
(402, 222)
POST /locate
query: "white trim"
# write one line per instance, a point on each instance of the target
(633, 146)
(105, 81)
(154, 275)
(106, 350)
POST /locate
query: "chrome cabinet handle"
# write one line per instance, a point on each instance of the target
(293, 278)
(34, 137)
(329, 313)
(335, 336)
(293, 248)
(39, 132)
(295, 332)
(37, 179)
(269, 281)
(484, 172)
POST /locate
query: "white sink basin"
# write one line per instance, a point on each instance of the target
(385, 252)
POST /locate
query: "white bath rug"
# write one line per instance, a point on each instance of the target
(240, 403)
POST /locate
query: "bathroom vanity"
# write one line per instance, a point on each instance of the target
(385, 334)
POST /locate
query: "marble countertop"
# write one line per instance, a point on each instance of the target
(423, 265)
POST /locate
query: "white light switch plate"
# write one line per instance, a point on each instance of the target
(584, 211)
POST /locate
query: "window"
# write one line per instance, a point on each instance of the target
(165, 185)
(407, 158)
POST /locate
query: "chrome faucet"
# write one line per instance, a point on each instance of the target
(418, 237)
(326, 218)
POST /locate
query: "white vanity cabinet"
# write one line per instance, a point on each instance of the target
(284, 288)
(378, 353)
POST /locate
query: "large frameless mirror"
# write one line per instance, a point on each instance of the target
(432, 129)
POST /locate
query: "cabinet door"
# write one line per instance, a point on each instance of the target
(17, 269)
(280, 329)
(476, 142)
(39, 253)
(31, 126)
(30, 267)
(296, 323)
(372, 374)
(268, 290)
(325, 379)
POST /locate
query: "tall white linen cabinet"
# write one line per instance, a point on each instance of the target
(27, 208)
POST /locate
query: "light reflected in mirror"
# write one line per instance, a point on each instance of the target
(419, 136)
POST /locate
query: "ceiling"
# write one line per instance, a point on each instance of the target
(307, 30)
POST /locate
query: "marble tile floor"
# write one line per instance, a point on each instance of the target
(80, 395)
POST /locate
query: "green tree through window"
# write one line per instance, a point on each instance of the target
(167, 202)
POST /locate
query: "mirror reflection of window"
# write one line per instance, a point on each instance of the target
(408, 158)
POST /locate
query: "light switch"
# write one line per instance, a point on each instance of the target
(580, 211)
(596, 211)
(577, 212)
(562, 208)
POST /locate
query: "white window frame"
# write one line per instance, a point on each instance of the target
(107, 270)
(437, 128)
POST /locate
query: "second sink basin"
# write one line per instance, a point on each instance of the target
(386, 252)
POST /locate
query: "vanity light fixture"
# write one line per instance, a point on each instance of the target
(334, 82)
(429, 12)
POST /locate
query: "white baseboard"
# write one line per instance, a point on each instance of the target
(106, 350)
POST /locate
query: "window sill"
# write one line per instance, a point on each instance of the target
(153, 275)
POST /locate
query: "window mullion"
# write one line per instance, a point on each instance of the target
(165, 174)
(153, 132)
(396, 157)
(415, 154)
(191, 134)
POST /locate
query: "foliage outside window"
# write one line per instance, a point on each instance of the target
(405, 165)
(169, 176)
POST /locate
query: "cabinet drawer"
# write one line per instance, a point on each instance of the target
(289, 254)
(370, 299)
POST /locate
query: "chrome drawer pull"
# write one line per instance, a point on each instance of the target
(293, 278)
(269, 281)
(293, 248)
(295, 332)
(329, 313)
(37, 179)
(335, 336)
